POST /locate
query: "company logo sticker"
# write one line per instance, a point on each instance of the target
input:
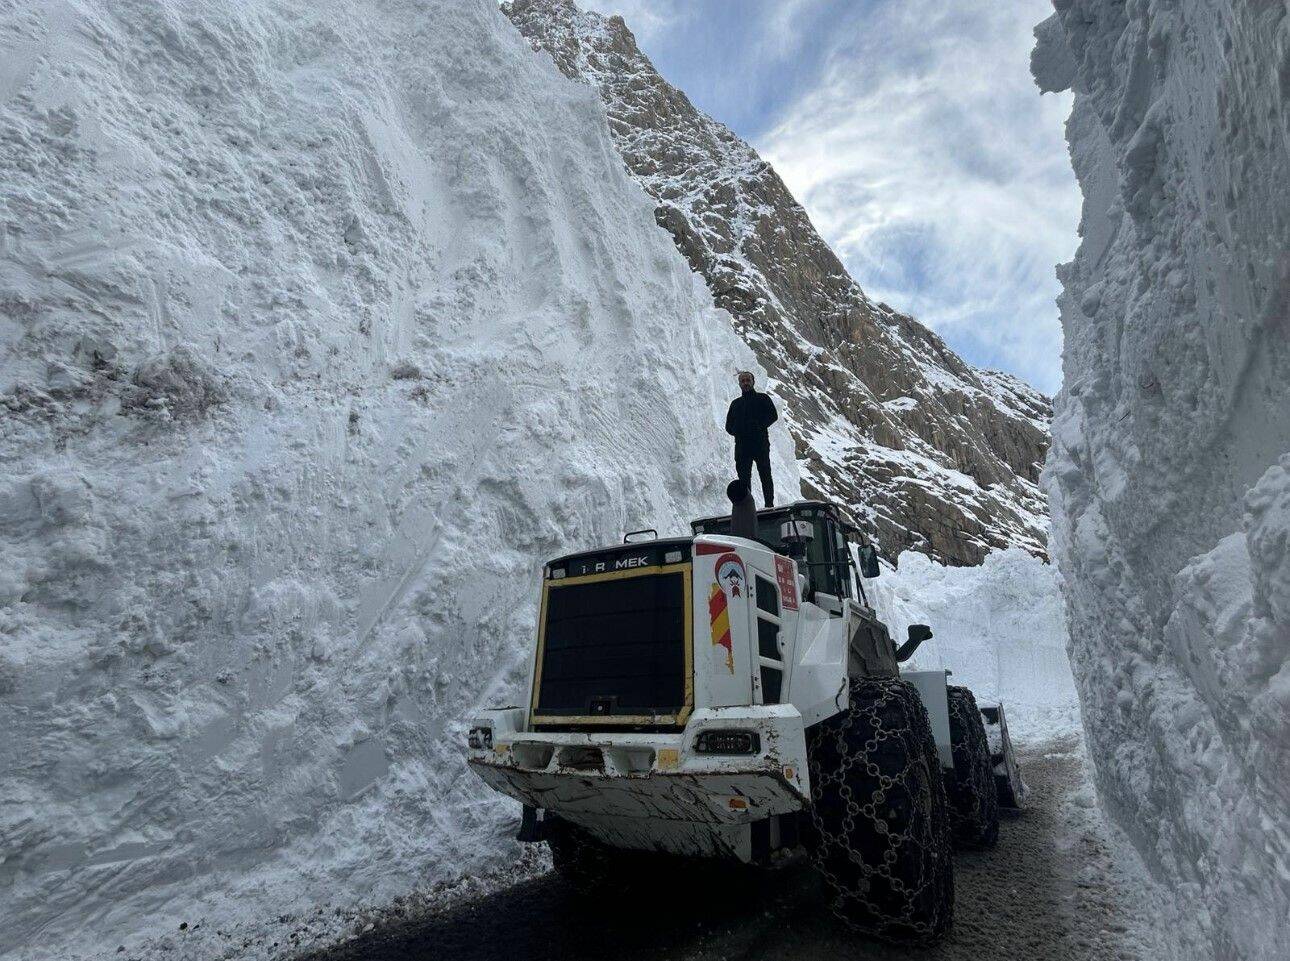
(730, 575)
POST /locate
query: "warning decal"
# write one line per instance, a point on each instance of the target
(720, 617)
(786, 575)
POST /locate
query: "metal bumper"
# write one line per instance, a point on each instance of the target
(736, 797)
(652, 791)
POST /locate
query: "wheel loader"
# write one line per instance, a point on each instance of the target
(735, 695)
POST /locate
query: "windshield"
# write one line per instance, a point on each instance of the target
(825, 562)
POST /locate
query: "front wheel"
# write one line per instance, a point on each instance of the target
(879, 826)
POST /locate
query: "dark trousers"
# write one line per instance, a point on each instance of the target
(744, 460)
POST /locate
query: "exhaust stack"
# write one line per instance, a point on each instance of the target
(743, 512)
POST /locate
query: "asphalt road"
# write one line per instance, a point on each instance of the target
(1050, 890)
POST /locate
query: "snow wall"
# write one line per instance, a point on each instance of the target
(322, 324)
(999, 628)
(1169, 478)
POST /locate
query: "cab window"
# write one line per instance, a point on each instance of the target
(828, 562)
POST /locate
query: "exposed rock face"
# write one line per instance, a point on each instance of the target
(926, 451)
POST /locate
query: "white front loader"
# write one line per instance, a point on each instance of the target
(673, 682)
(689, 775)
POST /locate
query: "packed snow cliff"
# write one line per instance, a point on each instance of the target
(999, 628)
(321, 325)
(1169, 477)
(925, 450)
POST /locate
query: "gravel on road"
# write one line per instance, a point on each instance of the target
(1056, 887)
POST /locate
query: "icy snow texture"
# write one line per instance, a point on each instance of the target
(1168, 478)
(999, 628)
(321, 324)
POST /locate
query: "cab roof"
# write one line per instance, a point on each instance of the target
(657, 543)
(777, 509)
(663, 543)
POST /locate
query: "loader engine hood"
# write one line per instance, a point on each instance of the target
(614, 639)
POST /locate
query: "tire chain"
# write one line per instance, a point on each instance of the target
(862, 838)
(974, 800)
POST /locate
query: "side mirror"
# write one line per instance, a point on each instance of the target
(917, 634)
(869, 561)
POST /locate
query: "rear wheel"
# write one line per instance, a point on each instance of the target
(974, 801)
(879, 824)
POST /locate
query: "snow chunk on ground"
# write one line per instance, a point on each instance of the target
(322, 325)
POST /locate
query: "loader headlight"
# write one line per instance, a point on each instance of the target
(480, 738)
(728, 742)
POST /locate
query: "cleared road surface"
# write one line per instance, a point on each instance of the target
(1052, 889)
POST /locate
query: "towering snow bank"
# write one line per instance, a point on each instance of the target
(999, 627)
(1168, 477)
(321, 324)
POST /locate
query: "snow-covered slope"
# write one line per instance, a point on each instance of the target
(321, 324)
(1169, 477)
(929, 452)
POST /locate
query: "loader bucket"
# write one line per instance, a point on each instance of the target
(1007, 773)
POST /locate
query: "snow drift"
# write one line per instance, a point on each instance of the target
(999, 628)
(1169, 479)
(321, 324)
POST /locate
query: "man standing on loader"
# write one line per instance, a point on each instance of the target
(748, 421)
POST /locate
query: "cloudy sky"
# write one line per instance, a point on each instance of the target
(913, 135)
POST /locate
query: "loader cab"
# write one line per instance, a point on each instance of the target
(814, 534)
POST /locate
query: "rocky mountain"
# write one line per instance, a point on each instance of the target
(926, 451)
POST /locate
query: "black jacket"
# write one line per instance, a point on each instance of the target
(749, 417)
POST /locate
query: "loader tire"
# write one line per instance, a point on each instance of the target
(879, 828)
(974, 800)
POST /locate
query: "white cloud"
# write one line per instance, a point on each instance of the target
(646, 18)
(927, 158)
(782, 34)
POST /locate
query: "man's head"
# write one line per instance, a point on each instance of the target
(745, 380)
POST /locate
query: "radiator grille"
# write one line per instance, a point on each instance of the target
(614, 650)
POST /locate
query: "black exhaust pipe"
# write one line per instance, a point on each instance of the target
(743, 512)
(917, 634)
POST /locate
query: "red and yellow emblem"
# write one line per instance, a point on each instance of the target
(719, 614)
